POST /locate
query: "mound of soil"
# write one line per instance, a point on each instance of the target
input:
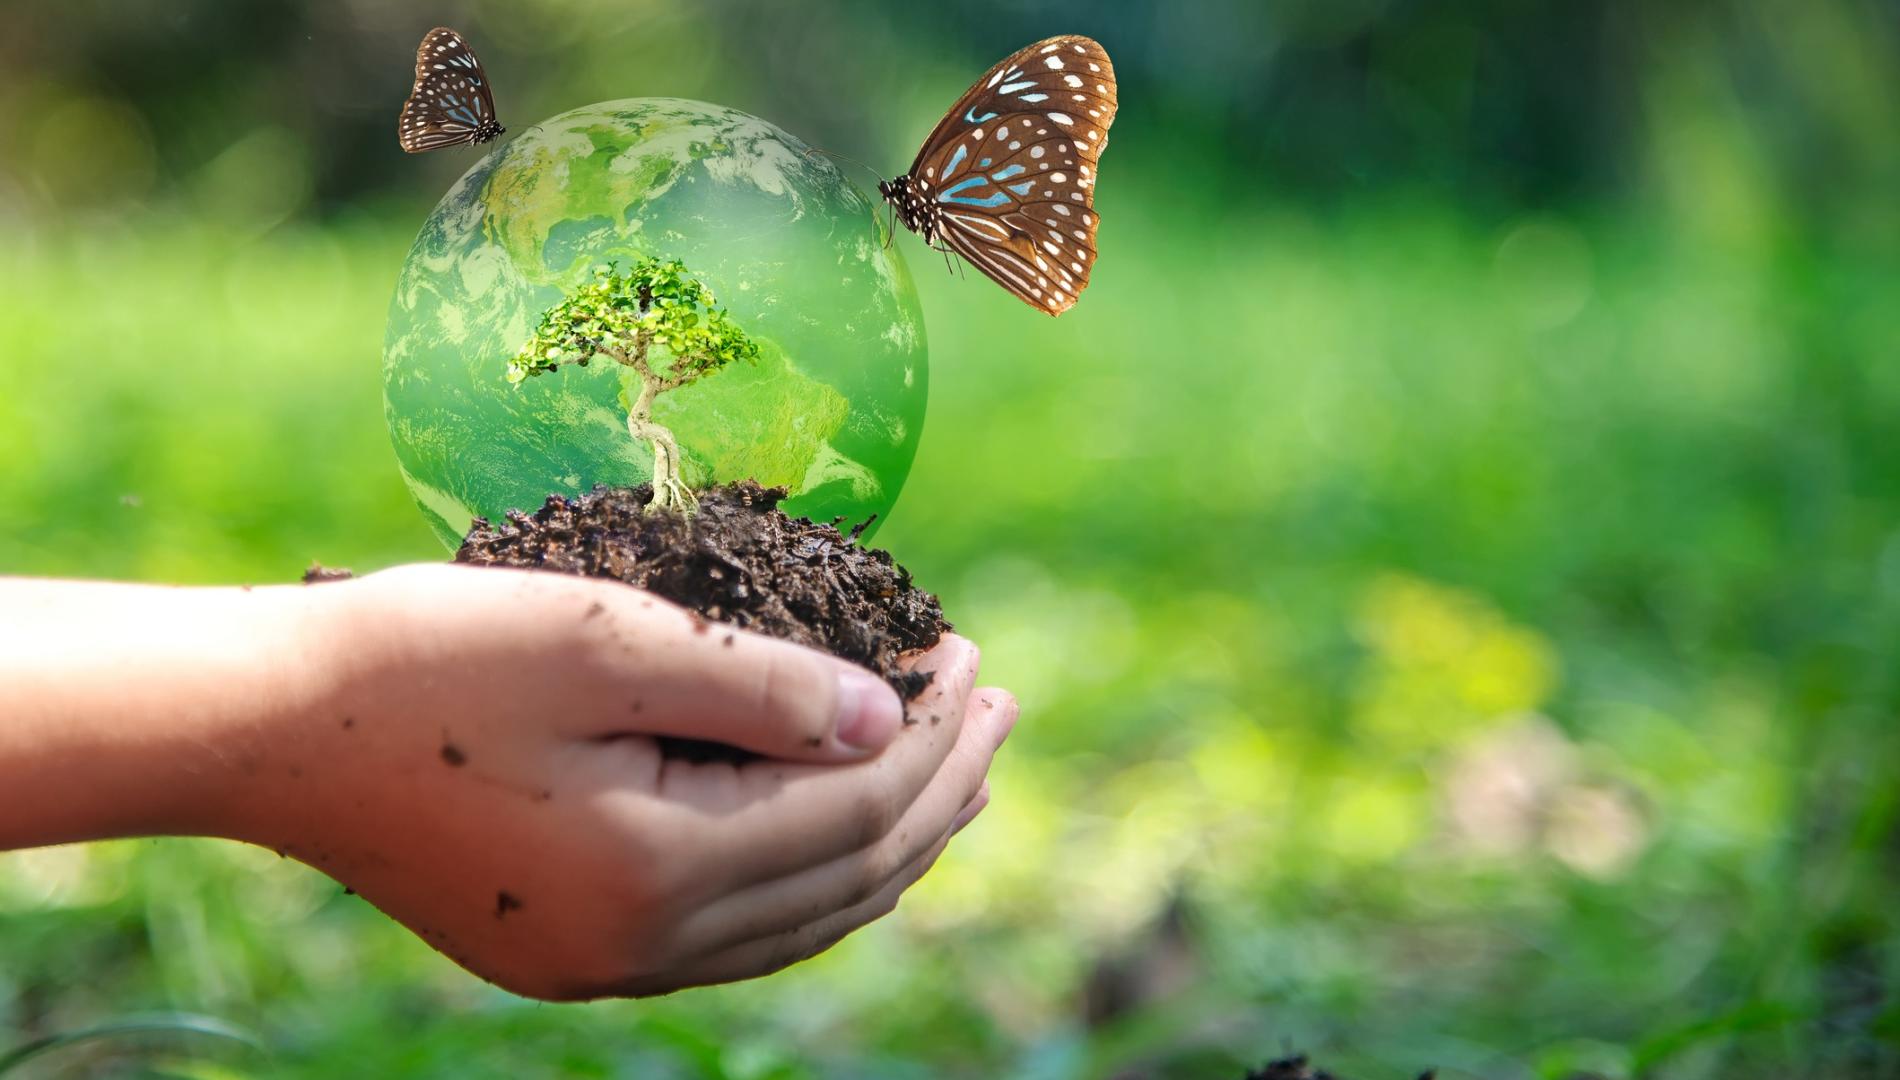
(738, 560)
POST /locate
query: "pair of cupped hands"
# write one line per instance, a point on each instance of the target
(490, 770)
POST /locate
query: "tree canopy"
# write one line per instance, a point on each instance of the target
(625, 313)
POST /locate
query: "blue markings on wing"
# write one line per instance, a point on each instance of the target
(974, 119)
(949, 194)
(1004, 174)
(1010, 88)
(1035, 97)
(956, 159)
(1022, 188)
(984, 164)
(464, 116)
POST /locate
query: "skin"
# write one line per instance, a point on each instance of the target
(474, 751)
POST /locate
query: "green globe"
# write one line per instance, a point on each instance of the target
(833, 408)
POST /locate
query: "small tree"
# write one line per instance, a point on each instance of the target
(655, 319)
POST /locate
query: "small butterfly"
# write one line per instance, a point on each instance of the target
(450, 104)
(1007, 178)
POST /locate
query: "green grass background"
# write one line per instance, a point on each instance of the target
(1452, 632)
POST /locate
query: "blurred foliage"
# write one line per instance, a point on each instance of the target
(1450, 560)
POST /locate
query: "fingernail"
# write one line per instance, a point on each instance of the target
(868, 710)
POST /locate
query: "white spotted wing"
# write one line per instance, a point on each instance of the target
(450, 104)
(1007, 179)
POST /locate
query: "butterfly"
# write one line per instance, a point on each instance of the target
(450, 104)
(1007, 177)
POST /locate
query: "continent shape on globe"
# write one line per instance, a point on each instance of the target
(832, 410)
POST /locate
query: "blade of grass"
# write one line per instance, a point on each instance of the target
(164, 1023)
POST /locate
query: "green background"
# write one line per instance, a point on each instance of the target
(1449, 559)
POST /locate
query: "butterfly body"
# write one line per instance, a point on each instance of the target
(450, 104)
(1007, 177)
(913, 206)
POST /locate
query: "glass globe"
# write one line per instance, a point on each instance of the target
(832, 410)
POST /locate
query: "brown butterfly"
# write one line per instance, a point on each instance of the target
(1007, 178)
(450, 104)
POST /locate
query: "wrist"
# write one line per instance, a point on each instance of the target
(275, 749)
(332, 724)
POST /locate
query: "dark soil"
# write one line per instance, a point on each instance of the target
(739, 561)
(1296, 1067)
(1289, 1068)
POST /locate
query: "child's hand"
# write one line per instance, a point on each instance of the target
(488, 773)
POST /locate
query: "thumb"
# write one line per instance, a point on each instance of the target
(764, 695)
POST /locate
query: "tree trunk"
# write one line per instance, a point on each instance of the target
(669, 491)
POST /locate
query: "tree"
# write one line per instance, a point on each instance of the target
(656, 319)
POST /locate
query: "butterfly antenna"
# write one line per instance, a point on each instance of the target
(809, 151)
(890, 226)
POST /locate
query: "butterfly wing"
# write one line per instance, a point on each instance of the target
(450, 104)
(1010, 171)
